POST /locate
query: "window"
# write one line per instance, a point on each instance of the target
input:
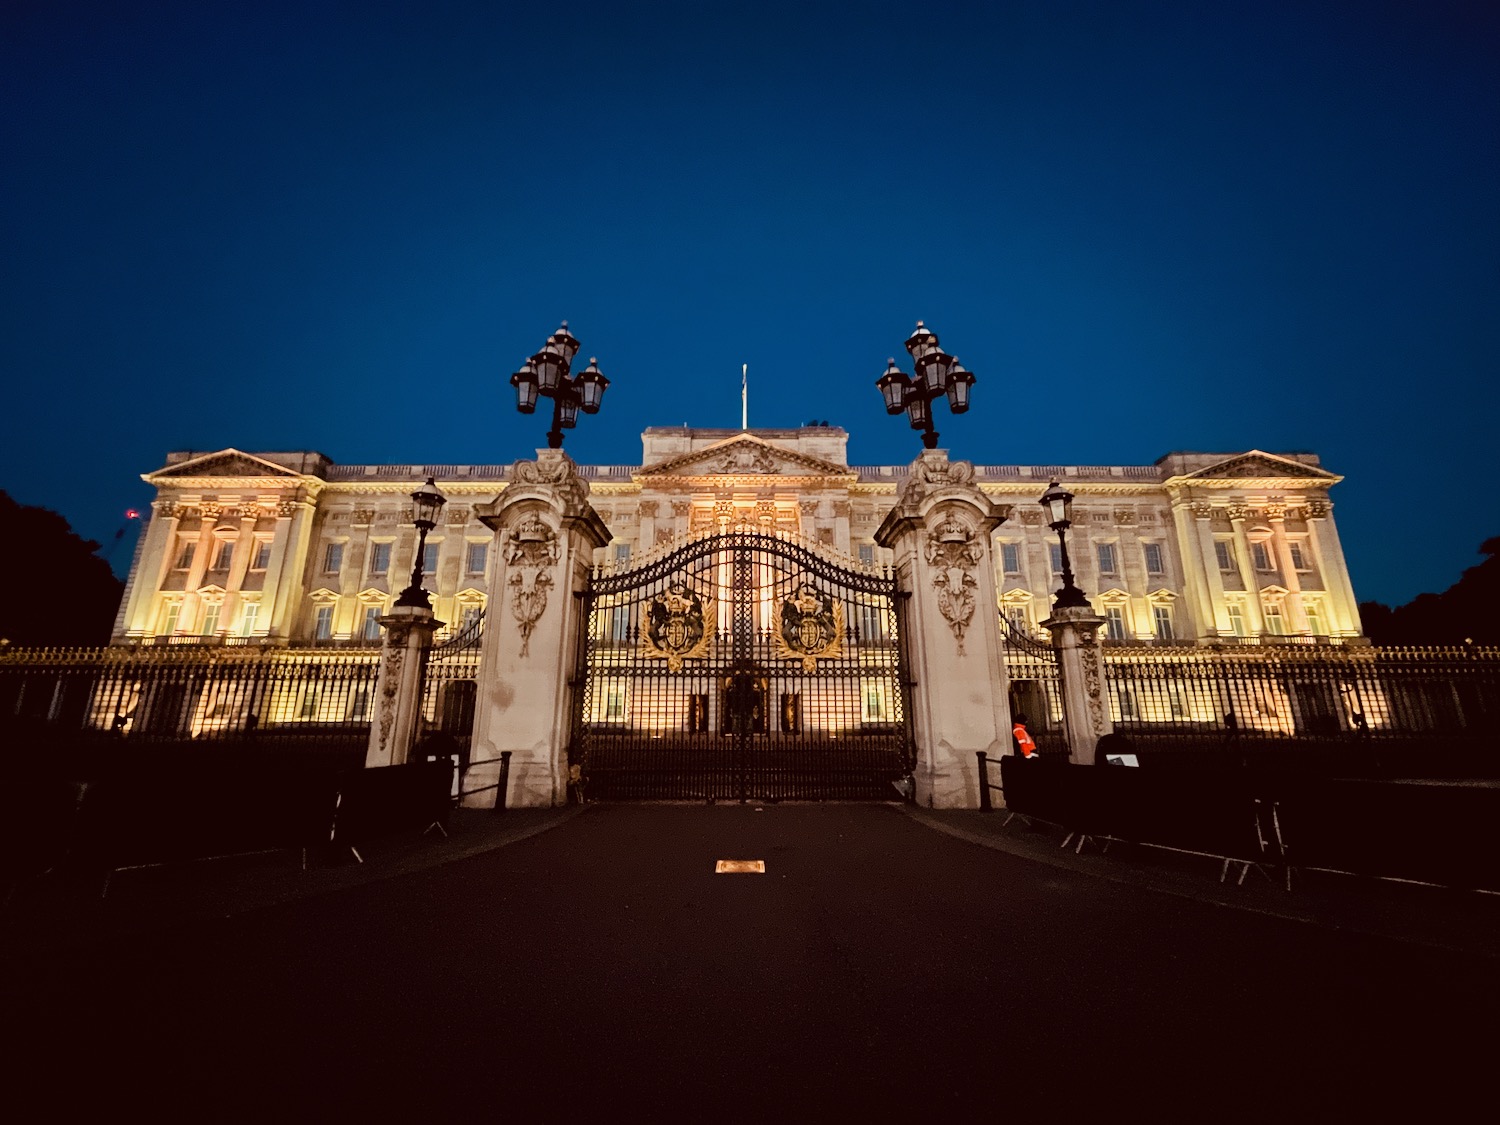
(380, 558)
(1114, 623)
(1260, 555)
(619, 623)
(333, 558)
(323, 623)
(1128, 708)
(1299, 558)
(1106, 557)
(875, 704)
(1019, 618)
(1315, 624)
(1237, 619)
(429, 558)
(871, 623)
(476, 557)
(1275, 623)
(469, 616)
(211, 618)
(248, 617)
(262, 558)
(169, 618)
(614, 703)
(1154, 564)
(1161, 616)
(223, 553)
(185, 549)
(622, 552)
(1055, 552)
(1224, 553)
(1010, 558)
(369, 629)
(867, 553)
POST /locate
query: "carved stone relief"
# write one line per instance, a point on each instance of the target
(531, 552)
(746, 460)
(1031, 517)
(1238, 511)
(1124, 516)
(929, 474)
(953, 554)
(559, 472)
(1202, 510)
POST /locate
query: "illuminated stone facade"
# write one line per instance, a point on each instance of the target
(292, 548)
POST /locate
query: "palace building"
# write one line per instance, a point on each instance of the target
(293, 549)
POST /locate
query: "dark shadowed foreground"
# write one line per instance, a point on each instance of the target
(876, 968)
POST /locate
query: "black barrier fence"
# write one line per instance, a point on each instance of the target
(1304, 696)
(181, 694)
(1421, 831)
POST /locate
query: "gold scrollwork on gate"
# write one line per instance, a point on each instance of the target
(811, 626)
(679, 626)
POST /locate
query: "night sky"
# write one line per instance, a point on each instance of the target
(1144, 226)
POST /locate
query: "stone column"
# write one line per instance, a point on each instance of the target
(940, 532)
(1276, 514)
(398, 688)
(283, 585)
(1080, 668)
(154, 563)
(1328, 557)
(545, 536)
(1204, 587)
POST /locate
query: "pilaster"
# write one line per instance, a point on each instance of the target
(940, 530)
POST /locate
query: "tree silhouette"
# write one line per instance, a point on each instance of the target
(1468, 611)
(54, 588)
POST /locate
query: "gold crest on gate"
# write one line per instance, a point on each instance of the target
(811, 626)
(679, 626)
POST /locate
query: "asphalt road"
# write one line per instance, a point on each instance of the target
(878, 968)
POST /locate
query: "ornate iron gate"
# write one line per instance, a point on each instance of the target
(742, 665)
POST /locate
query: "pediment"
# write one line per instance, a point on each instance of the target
(1261, 466)
(224, 463)
(744, 455)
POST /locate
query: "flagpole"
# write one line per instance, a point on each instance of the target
(744, 396)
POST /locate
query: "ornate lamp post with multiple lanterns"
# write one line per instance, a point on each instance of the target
(938, 374)
(548, 374)
(427, 502)
(1057, 502)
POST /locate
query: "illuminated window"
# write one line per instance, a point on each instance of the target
(262, 558)
(469, 617)
(614, 703)
(1055, 552)
(1275, 622)
(1260, 555)
(1299, 558)
(1224, 554)
(211, 619)
(1161, 616)
(185, 548)
(333, 558)
(1114, 623)
(1019, 618)
(380, 558)
(1154, 564)
(169, 618)
(1107, 555)
(476, 557)
(1237, 619)
(323, 623)
(1315, 624)
(223, 553)
(1010, 558)
(622, 552)
(248, 616)
(867, 553)
(370, 626)
(429, 558)
(875, 703)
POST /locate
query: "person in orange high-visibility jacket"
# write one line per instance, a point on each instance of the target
(1025, 746)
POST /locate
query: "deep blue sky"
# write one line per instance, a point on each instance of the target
(1145, 226)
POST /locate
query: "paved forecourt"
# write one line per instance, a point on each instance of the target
(876, 966)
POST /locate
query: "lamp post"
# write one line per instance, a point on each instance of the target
(1057, 502)
(938, 374)
(548, 374)
(427, 502)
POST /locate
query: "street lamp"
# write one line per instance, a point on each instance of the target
(426, 502)
(938, 375)
(548, 374)
(1057, 502)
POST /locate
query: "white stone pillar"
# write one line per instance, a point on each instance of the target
(398, 687)
(1328, 557)
(1200, 569)
(940, 530)
(283, 586)
(545, 536)
(150, 572)
(1080, 668)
